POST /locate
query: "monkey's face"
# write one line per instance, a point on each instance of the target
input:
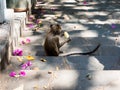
(55, 29)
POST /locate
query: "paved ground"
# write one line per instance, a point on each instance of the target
(88, 24)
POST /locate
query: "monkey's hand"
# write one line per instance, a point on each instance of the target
(68, 40)
(60, 51)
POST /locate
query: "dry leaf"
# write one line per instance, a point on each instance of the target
(57, 68)
(36, 68)
(45, 87)
(50, 72)
(88, 76)
(30, 57)
(19, 59)
(36, 87)
(43, 60)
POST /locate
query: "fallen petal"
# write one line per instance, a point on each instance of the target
(22, 73)
(29, 63)
(12, 74)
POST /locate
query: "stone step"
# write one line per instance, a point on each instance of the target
(73, 80)
(102, 16)
(68, 63)
(95, 4)
(80, 31)
(82, 28)
(76, 38)
(81, 6)
(38, 50)
(78, 9)
(85, 21)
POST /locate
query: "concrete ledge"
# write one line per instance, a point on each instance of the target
(21, 16)
(4, 45)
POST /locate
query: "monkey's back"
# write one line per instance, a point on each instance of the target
(50, 45)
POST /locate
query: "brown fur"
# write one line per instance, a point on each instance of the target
(52, 44)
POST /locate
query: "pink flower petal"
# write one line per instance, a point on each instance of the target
(84, 2)
(18, 52)
(24, 66)
(22, 73)
(29, 63)
(113, 26)
(30, 25)
(23, 42)
(28, 40)
(12, 74)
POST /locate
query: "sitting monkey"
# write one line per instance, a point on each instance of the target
(52, 44)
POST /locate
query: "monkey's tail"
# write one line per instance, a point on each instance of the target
(86, 53)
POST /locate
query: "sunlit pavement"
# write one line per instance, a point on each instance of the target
(88, 23)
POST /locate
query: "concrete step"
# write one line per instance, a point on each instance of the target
(73, 80)
(78, 9)
(84, 20)
(38, 50)
(79, 14)
(88, 4)
(81, 6)
(76, 38)
(89, 30)
(68, 63)
(81, 28)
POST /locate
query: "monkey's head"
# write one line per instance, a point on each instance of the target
(55, 29)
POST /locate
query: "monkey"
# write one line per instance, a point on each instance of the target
(52, 43)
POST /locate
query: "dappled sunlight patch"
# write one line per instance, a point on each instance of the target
(69, 79)
(85, 8)
(106, 79)
(69, 5)
(89, 34)
(94, 64)
(20, 87)
(74, 26)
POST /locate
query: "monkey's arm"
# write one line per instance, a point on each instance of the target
(62, 43)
